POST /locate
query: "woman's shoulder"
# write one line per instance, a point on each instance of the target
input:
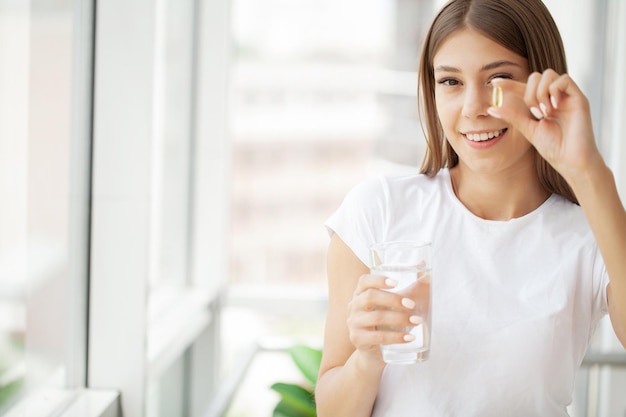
(406, 184)
(566, 215)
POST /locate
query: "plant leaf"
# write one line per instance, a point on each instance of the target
(297, 399)
(307, 359)
(283, 409)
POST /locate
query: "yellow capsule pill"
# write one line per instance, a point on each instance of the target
(496, 97)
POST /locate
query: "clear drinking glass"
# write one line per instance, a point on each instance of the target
(409, 264)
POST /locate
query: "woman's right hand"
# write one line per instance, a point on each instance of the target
(377, 316)
(359, 308)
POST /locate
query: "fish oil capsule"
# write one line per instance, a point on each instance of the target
(497, 96)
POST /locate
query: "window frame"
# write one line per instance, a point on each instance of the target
(128, 351)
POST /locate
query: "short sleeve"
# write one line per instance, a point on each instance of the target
(360, 220)
(600, 281)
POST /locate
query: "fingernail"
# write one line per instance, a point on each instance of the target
(554, 102)
(408, 303)
(544, 109)
(536, 112)
(493, 112)
(415, 319)
(409, 337)
(391, 282)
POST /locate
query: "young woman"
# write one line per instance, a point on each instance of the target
(528, 233)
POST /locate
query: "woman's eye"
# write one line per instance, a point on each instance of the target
(449, 81)
(506, 76)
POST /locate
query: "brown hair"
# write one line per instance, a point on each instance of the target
(522, 26)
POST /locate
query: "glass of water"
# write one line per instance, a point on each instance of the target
(409, 264)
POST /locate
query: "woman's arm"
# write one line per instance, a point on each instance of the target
(598, 196)
(348, 381)
(564, 137)
(352, 363)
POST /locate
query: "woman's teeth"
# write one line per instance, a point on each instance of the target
(481, 137)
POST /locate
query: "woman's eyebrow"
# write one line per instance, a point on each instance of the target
(498, 64)
(446, 68)
(486, 67)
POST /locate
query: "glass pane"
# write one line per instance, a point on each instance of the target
(173, 98)
(14, 72)
(305, 118)
(43, 205)
(171, 184)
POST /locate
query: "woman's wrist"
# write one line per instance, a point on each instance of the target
(585, 183)
(368, 363)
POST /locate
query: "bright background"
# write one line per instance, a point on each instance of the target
(166, 170)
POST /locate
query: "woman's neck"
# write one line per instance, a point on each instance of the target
(501, 196)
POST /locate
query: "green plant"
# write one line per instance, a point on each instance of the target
(298, 400)
(11, 373)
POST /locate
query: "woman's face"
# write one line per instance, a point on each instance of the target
(464, 66)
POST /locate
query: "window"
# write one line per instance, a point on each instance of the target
(141, 241)
(14, 37)
(159, 203)
(44, 153)
(320, 100)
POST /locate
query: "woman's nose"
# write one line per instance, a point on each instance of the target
(476, 101)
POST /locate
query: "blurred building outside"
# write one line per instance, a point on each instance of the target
(315, 94)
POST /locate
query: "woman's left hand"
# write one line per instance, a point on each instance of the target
(551, 111)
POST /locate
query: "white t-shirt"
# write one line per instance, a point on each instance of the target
(515, 303)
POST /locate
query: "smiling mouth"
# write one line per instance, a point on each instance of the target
(482, 137)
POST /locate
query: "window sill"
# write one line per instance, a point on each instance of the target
(94, 403)
(68, 403)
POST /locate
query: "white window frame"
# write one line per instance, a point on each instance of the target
(69, 398)
(126, 351)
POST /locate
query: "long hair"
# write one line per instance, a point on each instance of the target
(522, 26)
